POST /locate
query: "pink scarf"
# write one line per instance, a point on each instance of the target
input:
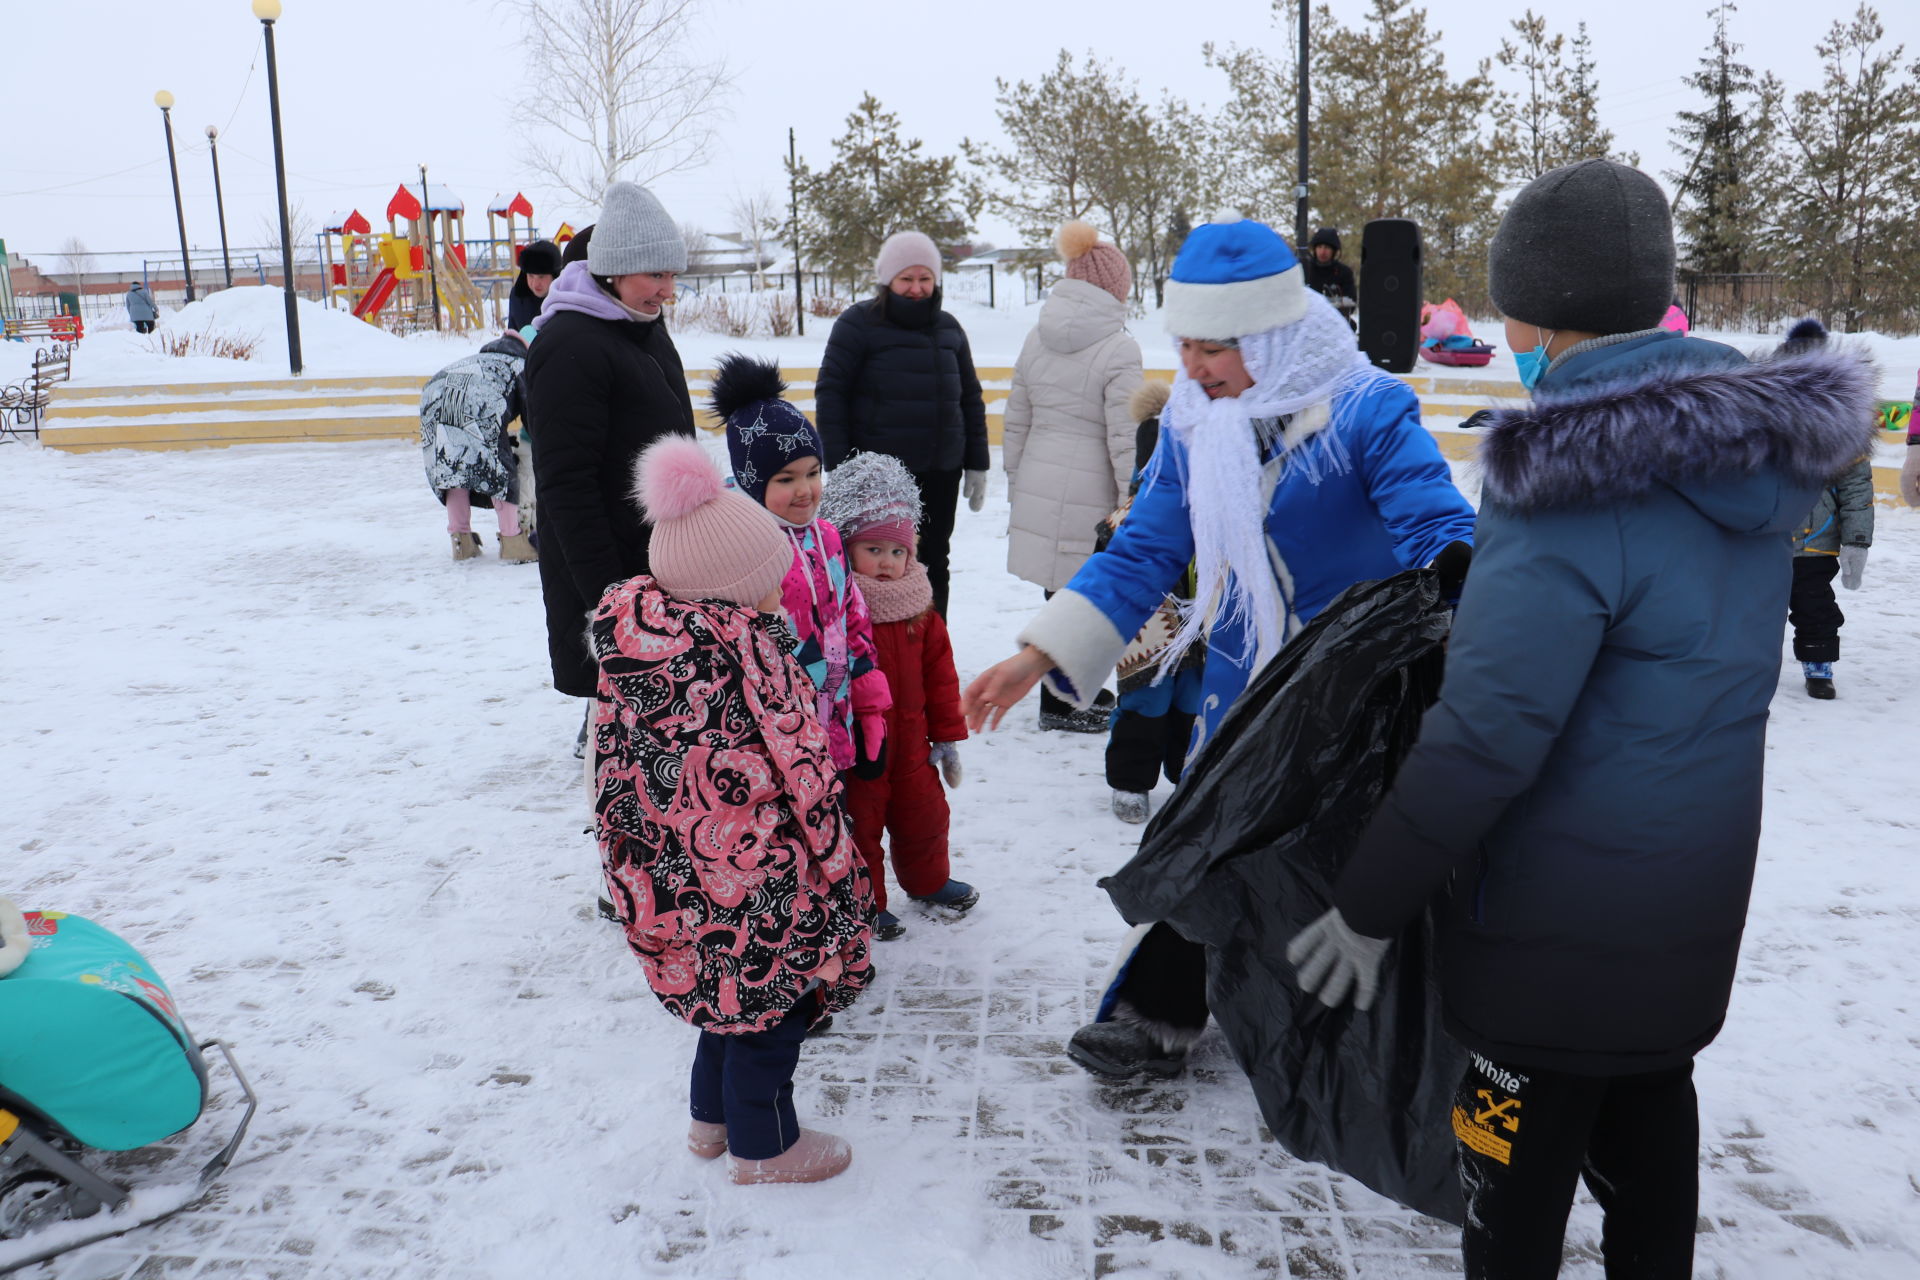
(898, 599)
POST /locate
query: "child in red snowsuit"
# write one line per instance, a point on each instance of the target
(875, 503)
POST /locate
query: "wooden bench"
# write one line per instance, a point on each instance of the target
(59, 328)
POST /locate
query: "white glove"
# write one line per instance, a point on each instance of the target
(945, 756)
(1334, 962)
(1853, 563)
(974, 485)
(1910, 476)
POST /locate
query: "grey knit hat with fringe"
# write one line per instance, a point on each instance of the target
(873, 494)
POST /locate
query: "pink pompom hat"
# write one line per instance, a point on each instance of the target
(709, 542)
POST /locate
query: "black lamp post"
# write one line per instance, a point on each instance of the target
(268, 11)
(164, 101)
(219, 202)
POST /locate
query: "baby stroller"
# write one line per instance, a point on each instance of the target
(93, 1057)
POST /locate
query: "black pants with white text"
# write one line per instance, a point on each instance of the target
(1527, 1135)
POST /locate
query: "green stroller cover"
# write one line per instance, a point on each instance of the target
(89, 1038)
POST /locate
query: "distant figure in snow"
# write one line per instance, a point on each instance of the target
(539, 264)
(140, 308)
(1831, 542)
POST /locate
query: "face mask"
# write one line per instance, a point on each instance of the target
(1533, 364)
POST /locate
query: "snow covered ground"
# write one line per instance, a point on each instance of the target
(260, 724)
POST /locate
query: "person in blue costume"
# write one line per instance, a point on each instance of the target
(1288, 470)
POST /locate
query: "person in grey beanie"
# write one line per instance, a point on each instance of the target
(603, 381)
(1582, 807)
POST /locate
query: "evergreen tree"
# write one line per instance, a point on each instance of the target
(1537, 113)
(1582, 135)
(1849, 166)
(1719, 207)
(1394, 134)
(876, 185)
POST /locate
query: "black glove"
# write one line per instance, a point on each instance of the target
(863, 768)
(1452, 564)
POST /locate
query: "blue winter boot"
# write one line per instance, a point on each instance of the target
(1819, 680)
(955, 895)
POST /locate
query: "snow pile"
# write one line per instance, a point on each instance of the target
(332, 344)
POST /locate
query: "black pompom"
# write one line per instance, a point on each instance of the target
(742, 380)
(1806, 333)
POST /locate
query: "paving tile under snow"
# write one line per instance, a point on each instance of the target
(261, 725)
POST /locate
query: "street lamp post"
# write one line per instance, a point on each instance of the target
(219, 202)
(268, 11)
(433, 266)
(164, 101)
(1301, 190)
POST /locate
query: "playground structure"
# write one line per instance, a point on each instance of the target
(394, 278)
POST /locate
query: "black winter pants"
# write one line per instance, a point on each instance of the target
(939, 497)
(1166, 981)
(1526, 1135)
(746, 1083)
(1140, 747)
(1813, 611)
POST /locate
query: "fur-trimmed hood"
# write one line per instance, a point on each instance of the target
(1726, 437)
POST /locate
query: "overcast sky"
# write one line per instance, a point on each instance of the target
(372, 88)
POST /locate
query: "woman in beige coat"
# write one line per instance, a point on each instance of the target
(1069, 436)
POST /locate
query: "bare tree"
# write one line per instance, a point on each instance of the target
(615, 91)
(756, 218)
(76, 261)
(300, 225)
(699, 253)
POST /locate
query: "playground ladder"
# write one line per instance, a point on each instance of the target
(463, 299)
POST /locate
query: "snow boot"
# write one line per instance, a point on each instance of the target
(954, 895)
(1130, 806)
(1819, 680)
(1123, 1050)
(1092, 720)
(887, 926)
(466, 546)
(515, 548)
(814, 1158)
(708, 1141)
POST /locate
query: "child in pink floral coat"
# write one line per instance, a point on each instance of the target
(720, 816)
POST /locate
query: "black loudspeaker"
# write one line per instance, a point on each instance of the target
(1390, 297)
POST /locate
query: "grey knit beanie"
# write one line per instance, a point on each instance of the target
(1587, 248)
(634, 235)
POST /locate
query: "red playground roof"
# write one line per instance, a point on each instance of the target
(351, 222)
(516, 203)
(406, 202)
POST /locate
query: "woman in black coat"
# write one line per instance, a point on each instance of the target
(898, 379)
(603, 381)
(539, 264)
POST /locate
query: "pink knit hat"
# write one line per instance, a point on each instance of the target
(709, 542)
(1100, 265)
(905, 249)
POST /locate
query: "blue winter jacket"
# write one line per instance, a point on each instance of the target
(1591, 775)
(1393, 506)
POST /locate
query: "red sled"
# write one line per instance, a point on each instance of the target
(1461, 357)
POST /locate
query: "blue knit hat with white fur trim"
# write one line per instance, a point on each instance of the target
(1233, 277)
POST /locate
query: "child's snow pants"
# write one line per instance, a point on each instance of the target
(908, 804)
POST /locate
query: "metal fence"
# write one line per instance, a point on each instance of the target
(1763, 302)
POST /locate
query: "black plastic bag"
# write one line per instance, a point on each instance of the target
(1245, 855)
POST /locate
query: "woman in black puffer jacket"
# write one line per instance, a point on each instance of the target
(898, 379)
(603, 382)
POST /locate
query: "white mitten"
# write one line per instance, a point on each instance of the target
(1853, 563)
(974, 485)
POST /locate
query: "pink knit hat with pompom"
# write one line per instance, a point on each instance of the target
(709, 542)
(1100, 265)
